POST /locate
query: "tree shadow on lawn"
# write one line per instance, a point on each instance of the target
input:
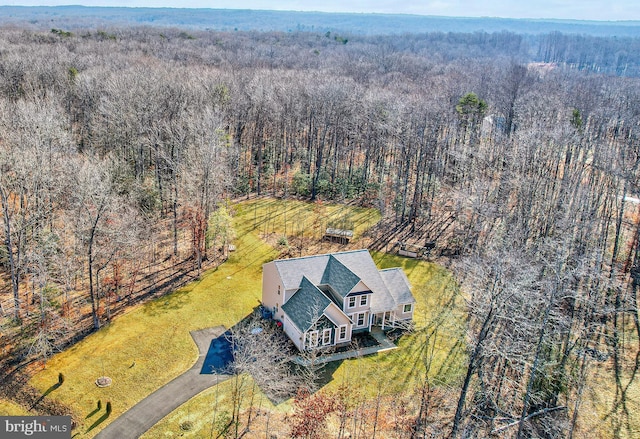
(416, 358)
(45, 394)
(171, 302)
(99, 421)
(95, 410)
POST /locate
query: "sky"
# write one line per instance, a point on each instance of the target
(563, 9)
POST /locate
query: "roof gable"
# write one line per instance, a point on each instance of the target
(361, 263)
(306, 305)
(340, 278)
(361, 287)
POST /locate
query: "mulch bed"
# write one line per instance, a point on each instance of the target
(360, 340)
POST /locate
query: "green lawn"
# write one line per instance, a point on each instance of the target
(150, 345)
(8, 408)
(213, 403)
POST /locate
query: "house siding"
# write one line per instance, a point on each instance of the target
(365, 320)
(337, 317)
(323, 324)
(334, 314)
(401, 315)
(293, 332)
(348, 334)
(358, 307)
(271, 284)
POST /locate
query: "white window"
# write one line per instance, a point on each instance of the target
(361, 319)
(342, 333)
(407, 308)
(363, 300)
(352, 302)
(326, 337)
(312, 339)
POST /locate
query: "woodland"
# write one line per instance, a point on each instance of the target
(122, 149)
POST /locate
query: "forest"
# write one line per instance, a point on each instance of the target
(122, 148)
(87, 17)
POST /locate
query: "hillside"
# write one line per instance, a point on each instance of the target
(77, 17)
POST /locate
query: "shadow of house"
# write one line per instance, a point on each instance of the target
(219, 356)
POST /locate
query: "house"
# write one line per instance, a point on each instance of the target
(323, 300)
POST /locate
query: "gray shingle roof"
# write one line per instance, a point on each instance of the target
(292, 270)
(307, 305)
(341, 274)
(398, 285)
(362, 265)
(340, 278)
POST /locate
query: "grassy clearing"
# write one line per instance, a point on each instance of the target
(293, 218)
(8, 408)
(150, 345)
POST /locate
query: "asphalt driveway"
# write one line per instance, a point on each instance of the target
(144, 415)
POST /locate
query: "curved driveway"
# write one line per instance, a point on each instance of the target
(144, 415)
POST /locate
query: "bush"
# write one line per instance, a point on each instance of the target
(60, 379)
(301, 184)
(283, 241)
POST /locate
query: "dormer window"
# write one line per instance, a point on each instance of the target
(352, 302)
(363, 300)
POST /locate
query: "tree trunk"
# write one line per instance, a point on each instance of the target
(94, 305)
(471, 368)
(13, 269)
(534, 367)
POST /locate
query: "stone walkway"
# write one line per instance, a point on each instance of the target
(144, 415)
(384, 345)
